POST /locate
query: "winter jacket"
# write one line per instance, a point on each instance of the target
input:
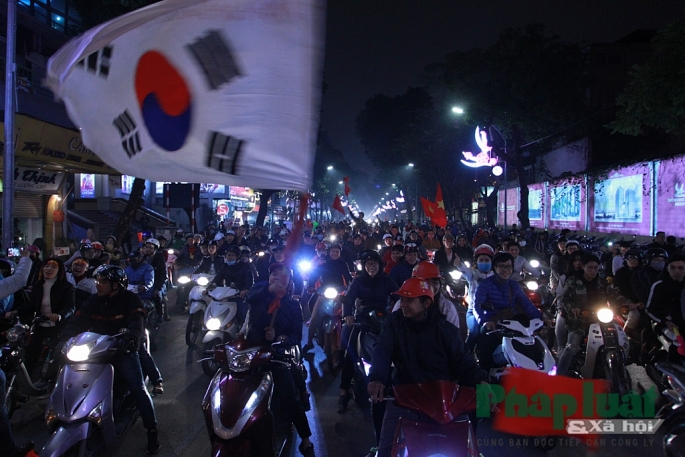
(142, 275)
(401, 272)
(423, 351)
(106, 315)
(158, 263)
(62, 300)
(502, 296)
(664, 304)
(189, 256)
(583, 294)
(446, 308)
(332, 272)
(207, 262)
(368, 292)
(521, 264)
(239, 274)
(474, 277)
(288, 321)
(642, 280)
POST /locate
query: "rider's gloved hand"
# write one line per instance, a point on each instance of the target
(126, 343)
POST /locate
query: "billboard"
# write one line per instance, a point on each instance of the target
(536, 205)
(621, 201)
(513, 205)
(87, 186)
(204, 188)
(670, 201)
(567, 203)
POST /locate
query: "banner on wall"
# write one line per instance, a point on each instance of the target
(536, 205)
(512, 207)
(670, 191)
(621, 201)
(567, 203)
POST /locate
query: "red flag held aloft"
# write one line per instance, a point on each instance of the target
(428, 208)
(337, 205)
(346, 180)
(440, 218)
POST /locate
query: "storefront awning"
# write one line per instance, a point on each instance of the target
(43, 145)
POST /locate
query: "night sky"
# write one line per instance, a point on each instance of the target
(382, 46)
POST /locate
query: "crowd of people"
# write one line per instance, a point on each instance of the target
(398, 269)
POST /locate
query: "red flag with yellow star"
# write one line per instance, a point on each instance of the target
(337, 204)
(428, 208)
(440, 217)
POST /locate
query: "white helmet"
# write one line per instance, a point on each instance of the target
(154, 241)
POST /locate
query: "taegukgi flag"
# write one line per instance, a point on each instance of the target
(220, 91)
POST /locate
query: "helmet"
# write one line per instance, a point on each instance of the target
(84, 241)
(655, 252)
(6, 267)
(335, 246)
(426, 270)
(230, 232)
(111, 273)
(33, 248)
(502, 257)
(112, 237)
(411, 247)
(320, 246)
(632, 253)
(190, 235)
(244, 249)
(153, 241)
(218, 236)
(86, 246)
(147, 234)
(484, 249)
(370, 254)
(387, 235)
(97, 245)
(234, 249)
(416, 287)
(212, 243)
(137, 255)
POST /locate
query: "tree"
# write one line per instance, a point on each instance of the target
(655, 97)
(94, 12)
(528, 85)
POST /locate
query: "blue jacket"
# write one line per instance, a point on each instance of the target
(502, 296)
(288, 318)
(401, 272)
(367, 292)
(143, 274)
(239, 274)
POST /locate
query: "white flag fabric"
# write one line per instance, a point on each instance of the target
(206, 91)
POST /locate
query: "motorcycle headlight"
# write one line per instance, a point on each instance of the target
(257, 395)
(240, 361)
(379, 247)
(359, 267)
(15, 333)
(534, 263)
(455, 274)
(261, 254)
(532, 285)
(80, 352)
(605, 315)
(304, 266)
(468, 264)
(213, 324)
(202, 281)
(330, 293)
(184, 280)
(333, 237)
(171, 252)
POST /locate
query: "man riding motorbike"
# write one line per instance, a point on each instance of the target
(664, 306)
(237, 275)
(480, 270)
(403, 270)
(114, 308)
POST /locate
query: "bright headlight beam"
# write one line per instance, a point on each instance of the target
(605, 315)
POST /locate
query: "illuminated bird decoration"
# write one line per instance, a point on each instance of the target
(483, 158)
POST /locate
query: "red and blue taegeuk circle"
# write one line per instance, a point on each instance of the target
(164, 99)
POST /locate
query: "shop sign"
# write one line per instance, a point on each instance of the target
(37, 181)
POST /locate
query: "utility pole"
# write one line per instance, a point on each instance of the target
(8, 164)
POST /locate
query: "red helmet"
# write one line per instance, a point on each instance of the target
(484, 249)
(320, 246)
(426, 270)
(416, 287)
(97, 245)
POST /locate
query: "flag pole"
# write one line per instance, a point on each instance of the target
(8, 164)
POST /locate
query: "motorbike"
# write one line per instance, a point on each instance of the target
(170, 272)
(669, 350)
(184, 284)
(198, 303)
(88, 411)
(604, 353)
(331, 323)
(443, 407)
(219, 323)
(238, 407)
(673, 413)
(370, 327)
(19, 384)
(151, 319)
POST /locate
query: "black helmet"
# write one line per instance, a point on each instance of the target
(369, 254)
(411, 247)
(655, 252)
(234, 249)
(632, 253)
(111, 273)
(6, 268)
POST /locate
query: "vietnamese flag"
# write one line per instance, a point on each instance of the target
(428, 208)
(346, 180)
(337, 205)
(440, 218)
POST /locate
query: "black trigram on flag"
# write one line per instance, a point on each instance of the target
(223, 152)
(97, 62)
(215, 59)
(128, 130)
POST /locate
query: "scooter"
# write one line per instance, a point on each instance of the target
(444, 427)
(669, 351)
(604, 354)
(673, 413)
(83, 415)
(331, 323)
(19, 384)
(198, 304)
(237, 405)
(219, 323)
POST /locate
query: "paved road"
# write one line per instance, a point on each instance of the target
(183, 434)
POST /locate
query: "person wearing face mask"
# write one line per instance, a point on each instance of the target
(641, 280)
(506, 298)
(481, 269)
(423, 346)
(237, 275)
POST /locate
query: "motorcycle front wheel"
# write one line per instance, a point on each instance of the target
(210, 367)
(194, 327)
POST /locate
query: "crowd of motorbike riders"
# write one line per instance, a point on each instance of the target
(439, 294)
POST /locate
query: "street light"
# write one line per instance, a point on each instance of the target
(410, 164)
(330, 167)
(457, 110)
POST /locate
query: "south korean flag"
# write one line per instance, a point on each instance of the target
(215, 91)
